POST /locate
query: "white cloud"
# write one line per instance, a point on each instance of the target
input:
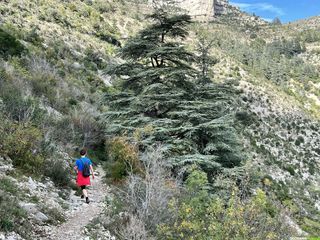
(253, 7)
(268, 19)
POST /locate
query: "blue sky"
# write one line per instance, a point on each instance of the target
(286, 10)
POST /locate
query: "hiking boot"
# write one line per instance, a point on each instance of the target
(87, 200)
(82, 196)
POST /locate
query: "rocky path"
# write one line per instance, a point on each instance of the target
(81, 213)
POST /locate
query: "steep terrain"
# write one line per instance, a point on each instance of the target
(280, 118)
(53, 83)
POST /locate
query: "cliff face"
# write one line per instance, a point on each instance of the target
(203, 10)
(220, 7)
(199, 9)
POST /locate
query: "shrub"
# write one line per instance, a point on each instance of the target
(199, 216)
(311, 226)
(145, 198)
(245, 117)
(18, 107)
(123, 158)
(44, 78)
(58, 172)
(22, 143)
(86, 127)
(299, 141)
(12, 216)
(8, 186)
(9, 45)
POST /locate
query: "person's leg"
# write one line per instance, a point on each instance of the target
(84, 191)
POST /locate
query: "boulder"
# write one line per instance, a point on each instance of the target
(41, 217)
(30, 208)
(32, 184)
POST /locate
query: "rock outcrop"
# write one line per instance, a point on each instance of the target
(203, 10)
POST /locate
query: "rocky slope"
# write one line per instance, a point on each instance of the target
(279, 122)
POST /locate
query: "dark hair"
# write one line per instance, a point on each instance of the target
(83, 152)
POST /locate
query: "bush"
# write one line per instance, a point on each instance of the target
(16, 106)
(199, 216)
(86, 127)
(123, 158)
(145, 198)
(9, 45)
(44, 79)
(245, 117)
(299, 141)
(311, 226)
(58, 172)
(22, 143)
(9, 186)
(12, 216)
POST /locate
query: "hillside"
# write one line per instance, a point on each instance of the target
(279, 108)
(57, 95)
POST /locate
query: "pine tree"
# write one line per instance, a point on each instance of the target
(162, 90)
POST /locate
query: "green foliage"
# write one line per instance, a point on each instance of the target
(311, 226)
(202, 217)
(161, 90)
(58, 172)
(289, 48)
(22, 143)
(17, 106)
(123, 158)
(55, 216)
(79, 127)
(9, 186)
(309, 36)
(9, 45)
(204, 59)
(11, 214)
(154, 57)
(245, 118)
(299, 141)
(45, 86)
(277, 61)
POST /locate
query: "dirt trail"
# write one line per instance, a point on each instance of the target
(81, 213)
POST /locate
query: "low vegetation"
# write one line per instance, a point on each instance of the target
(177, 111)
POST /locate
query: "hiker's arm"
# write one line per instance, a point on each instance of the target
(75, 168)
(91, 169)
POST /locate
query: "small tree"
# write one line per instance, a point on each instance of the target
(204, 59)
(276, 21)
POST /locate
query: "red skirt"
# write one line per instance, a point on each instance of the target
(81, 180)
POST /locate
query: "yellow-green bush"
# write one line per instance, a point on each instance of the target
(123, 156)
(22, 143)
(200, 217)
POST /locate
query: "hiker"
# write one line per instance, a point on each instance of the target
(84, 170)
